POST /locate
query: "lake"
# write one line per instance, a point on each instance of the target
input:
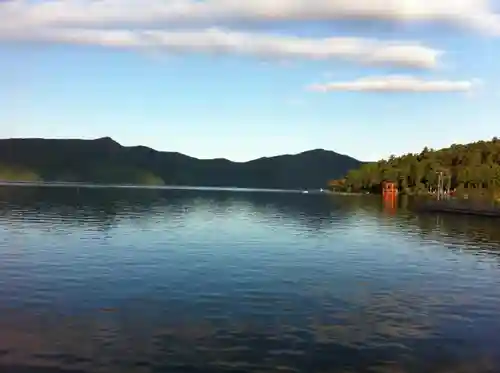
(115, 280)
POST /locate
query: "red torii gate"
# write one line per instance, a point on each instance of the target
(389, 195)
(389, 190)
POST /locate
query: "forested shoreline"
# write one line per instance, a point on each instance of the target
(468, 168)
(464, 168)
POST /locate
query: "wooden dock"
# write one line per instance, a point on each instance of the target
(456, 206)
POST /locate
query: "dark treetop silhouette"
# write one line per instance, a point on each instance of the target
(106, 161)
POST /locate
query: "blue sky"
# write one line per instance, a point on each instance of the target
(242, 82)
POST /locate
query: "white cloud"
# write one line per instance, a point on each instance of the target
(366, 51)
(396, 84)
(141, 24)
(470, 13)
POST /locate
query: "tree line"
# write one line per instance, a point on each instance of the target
(468, 168)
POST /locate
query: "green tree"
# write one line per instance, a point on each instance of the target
(17, 174)
(472, 167)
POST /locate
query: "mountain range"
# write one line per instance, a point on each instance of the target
(104, 160)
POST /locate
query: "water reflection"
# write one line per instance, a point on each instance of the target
(104, 208)
(159, 281)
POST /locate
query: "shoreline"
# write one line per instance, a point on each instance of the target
(459, 207)
(65, 184)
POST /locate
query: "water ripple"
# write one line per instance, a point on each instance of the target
(166, 281)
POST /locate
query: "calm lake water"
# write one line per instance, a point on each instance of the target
(123, 281)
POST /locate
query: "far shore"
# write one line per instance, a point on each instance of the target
(67, 184)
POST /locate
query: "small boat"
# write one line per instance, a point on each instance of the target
(305, 191)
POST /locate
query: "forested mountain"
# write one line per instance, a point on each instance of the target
(106, 161)
(474, 166)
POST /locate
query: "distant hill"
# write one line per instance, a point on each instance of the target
(106, 161)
